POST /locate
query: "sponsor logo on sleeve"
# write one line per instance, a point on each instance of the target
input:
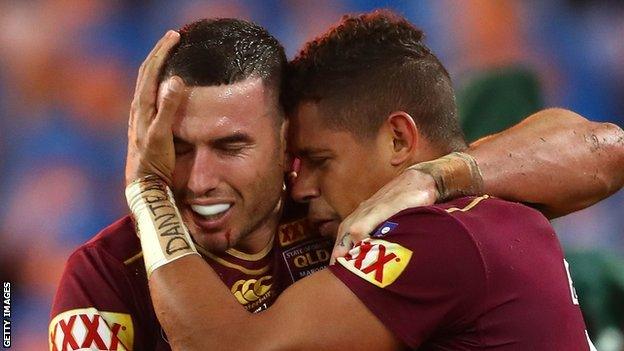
(384, 229)
(377, 261)
(90, 329)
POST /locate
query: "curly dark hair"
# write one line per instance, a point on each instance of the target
(368, 66)
(225, 51)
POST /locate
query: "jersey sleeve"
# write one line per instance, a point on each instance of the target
(91, 309)
(421, 274)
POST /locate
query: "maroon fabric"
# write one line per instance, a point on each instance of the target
(106, 274)
(489, 277)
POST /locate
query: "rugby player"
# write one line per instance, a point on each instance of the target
(103, 299)
(370, 100)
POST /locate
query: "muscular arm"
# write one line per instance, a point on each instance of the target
(555, 160)
(317, 313)
(408, 288)
(198, 312)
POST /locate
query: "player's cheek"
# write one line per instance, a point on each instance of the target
(181, 173)
(330, 192)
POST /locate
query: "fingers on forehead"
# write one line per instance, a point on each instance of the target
(157, 58)
(169, 39)
(160, 50)
(148, 81)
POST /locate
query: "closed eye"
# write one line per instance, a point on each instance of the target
(233, 149)
(233, 144)
(315, 162)
(181, 147)
(318, 161)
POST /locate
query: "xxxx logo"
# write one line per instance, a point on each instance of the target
(377, 261)
(91, 329)
(251, 290)
(291, 233)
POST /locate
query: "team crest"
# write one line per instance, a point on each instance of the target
(90, 329)
(377, 261)
(384, 229)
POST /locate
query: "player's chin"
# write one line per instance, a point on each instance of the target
(208, 235)
(215, 240)
(329, 228)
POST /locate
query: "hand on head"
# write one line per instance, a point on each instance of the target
(150, 139)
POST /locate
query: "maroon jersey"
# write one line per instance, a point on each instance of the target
(471, 274)
(103, 301)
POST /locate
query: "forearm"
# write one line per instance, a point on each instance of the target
(195, 309)
(193, 305)
(198, 312)
(555, 159)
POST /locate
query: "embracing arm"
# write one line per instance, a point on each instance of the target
(555, 160)
(317, 313)
(386, 294)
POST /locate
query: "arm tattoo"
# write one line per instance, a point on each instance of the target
(342, 240)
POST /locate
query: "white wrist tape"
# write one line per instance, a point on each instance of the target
(164, 237)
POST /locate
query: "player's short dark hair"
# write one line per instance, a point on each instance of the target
(368, 66)
(225, 51)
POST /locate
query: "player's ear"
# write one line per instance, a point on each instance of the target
(404, 134)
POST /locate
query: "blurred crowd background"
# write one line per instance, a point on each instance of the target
(67, 73)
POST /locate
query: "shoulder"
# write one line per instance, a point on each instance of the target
(420, 220)
(491, 209)
(485, 206)
(468, 215)
(118, 242)
(427, 242)
(421, 262)
(99, 287)
(103, 264)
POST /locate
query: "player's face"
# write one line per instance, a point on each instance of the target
(338, 171)
(229, 153)
(322, 216)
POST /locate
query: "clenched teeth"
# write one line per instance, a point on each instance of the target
(210, 210)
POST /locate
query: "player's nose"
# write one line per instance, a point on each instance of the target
(204, 173)
(304, 186)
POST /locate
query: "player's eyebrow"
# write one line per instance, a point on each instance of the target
(178, 140)
(311, 151)
(234, 138)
